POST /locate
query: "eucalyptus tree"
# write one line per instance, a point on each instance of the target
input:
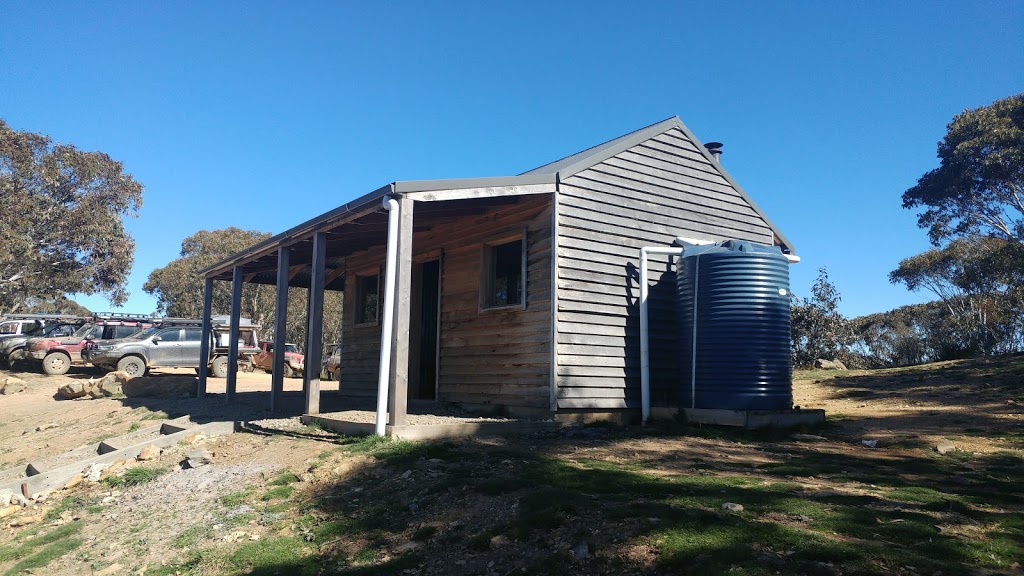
(62, 224)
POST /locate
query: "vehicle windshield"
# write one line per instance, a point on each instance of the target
(51, 328)
(291, 348)
(144, 334)
(83, 331)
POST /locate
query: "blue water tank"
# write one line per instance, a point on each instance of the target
(734, 303)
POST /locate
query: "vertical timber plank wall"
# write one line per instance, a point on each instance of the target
(488, 358)
(645, 196)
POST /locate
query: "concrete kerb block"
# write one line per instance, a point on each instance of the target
(57, 477)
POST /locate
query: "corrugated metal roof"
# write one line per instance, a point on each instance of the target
(582, 160)
(546, 174)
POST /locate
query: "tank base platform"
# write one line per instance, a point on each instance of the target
(755, 419)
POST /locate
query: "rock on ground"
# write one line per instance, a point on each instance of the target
(829, 364)
(73, 390)
(148, 452)
(12, 385)
(159, 386)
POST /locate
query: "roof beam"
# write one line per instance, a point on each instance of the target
(293, 271)
(471, 193)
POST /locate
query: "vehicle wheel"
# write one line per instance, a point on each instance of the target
(220, 367)
(132, 366)
(56, 363)
(288, 372)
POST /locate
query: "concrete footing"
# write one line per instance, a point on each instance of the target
(755, 419)
(433, 431)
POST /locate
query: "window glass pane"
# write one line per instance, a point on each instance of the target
(193, 334)
(170, 335)
(368, 299)
(507, 263)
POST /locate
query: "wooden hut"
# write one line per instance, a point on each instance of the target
(519, 293)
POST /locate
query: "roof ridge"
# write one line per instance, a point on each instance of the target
(595, 151)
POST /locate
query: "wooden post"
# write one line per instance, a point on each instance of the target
(315, 326)
(204, 346)
(233, 332)
(280, 320)
(398, 397)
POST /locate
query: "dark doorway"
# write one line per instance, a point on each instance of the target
(423, 330)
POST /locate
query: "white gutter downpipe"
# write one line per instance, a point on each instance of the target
(384, 378)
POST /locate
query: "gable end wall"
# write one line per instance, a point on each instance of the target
(645, 196)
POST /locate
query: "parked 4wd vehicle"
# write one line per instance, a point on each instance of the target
(16, 326)
(171, 344)
(294, 362)
(12, 348)
(57, 355)
(332, 365)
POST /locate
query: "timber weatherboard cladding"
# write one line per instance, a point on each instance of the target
(488, 357)
(647, 195)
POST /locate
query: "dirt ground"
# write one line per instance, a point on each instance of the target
(130, 529)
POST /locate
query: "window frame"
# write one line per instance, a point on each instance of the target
(357, 319)
(487, 271)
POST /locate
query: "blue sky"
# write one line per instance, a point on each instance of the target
(264, 114)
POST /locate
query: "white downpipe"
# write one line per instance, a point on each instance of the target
(645, 360)
(384, 378)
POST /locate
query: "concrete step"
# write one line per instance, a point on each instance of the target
(54, 471)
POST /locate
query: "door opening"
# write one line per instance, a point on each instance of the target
(423, 330)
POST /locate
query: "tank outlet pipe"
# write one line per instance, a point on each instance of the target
(645, 360)
(384, 377)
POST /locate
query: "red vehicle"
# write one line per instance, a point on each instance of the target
(294, 362)
(57, 355)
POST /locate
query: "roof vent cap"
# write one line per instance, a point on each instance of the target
(716, 149)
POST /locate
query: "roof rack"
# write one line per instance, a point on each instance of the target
(32, 316)
(171, 321)
(121, 316)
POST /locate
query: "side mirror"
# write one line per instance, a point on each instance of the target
(156, 339)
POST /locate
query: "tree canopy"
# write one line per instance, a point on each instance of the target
(62, 224)
(978, 187)
(179, 287)
(818, 328)
(980, 281)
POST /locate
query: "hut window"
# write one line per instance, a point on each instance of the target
(504, 266)
(367, 298)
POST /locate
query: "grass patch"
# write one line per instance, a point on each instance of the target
(234, 499)
(67, 503)
(135, 426)
(39, 550)
(191, 536)
(286, 555)
(194, 561)
(284, 479)
(278, 493)
(135, 477)
(816, 509)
